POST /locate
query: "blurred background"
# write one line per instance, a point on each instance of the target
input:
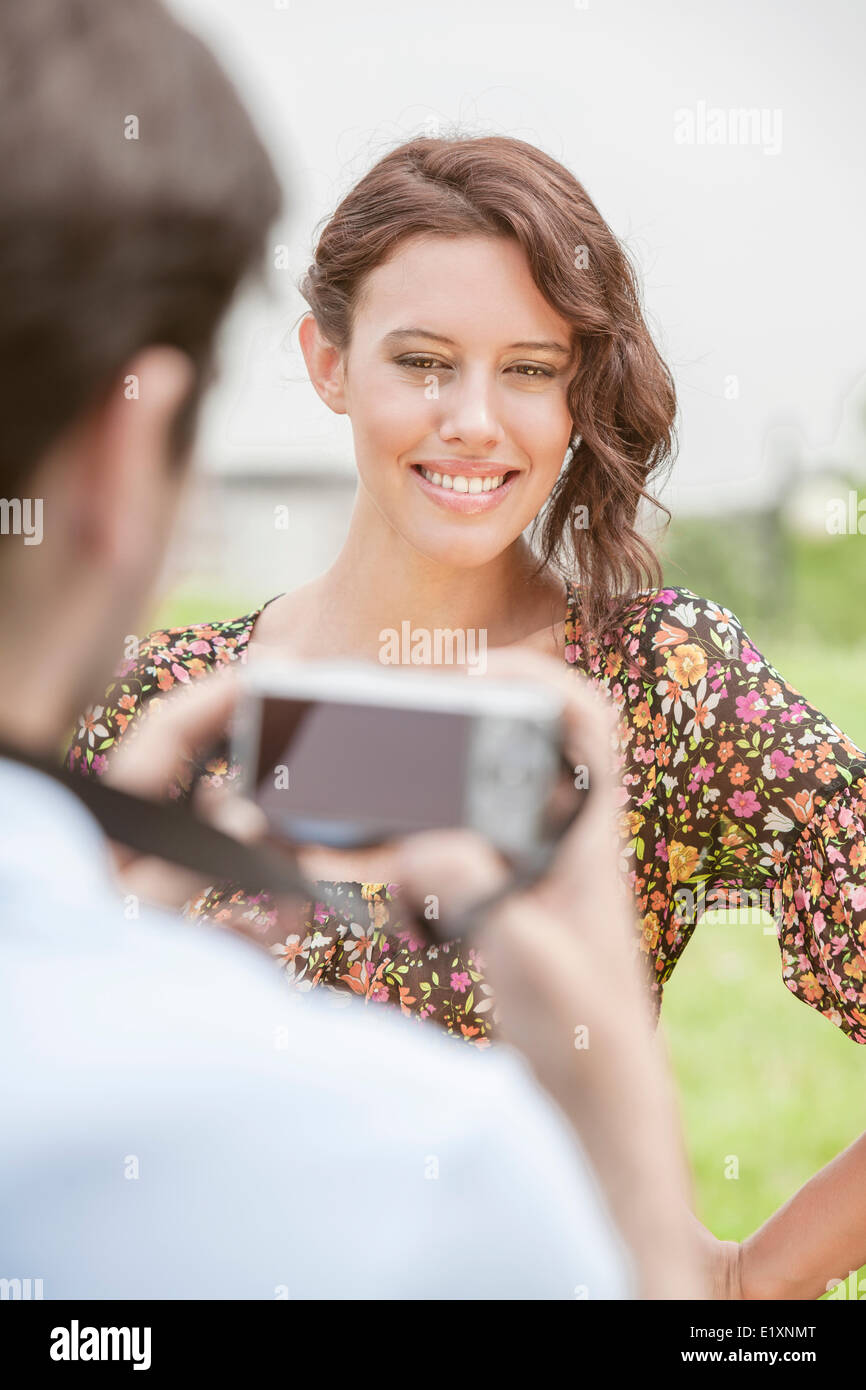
(720, 143)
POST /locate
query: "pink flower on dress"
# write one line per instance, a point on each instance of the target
(459, 981)
(703, 774)
(781, 763)
(751, 707)
(744, 803)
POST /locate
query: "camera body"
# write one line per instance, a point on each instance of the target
(347, 754)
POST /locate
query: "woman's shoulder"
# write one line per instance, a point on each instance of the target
(172, 654)
(676, 617)
(650, 625)
(152, 666)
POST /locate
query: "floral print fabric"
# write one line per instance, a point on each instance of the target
(736, 792)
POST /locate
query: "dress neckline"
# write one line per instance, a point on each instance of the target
(570, 615)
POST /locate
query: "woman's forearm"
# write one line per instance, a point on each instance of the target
(816, 1238)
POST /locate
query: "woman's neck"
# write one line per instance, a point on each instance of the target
(373, 588)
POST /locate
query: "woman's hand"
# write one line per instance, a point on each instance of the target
(722, 1263)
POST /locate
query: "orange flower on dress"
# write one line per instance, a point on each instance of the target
(687, 664)
(811, 988)
(668, 636)
(651, 928)
(642, 714)
(802, 806)
(856, 967)
(682, 861)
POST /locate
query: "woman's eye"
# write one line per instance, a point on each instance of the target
(532, 370)
(424, 364)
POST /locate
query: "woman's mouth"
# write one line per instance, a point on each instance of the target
(465, 492)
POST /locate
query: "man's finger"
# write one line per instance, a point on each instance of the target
(171, 731)
(457, 867)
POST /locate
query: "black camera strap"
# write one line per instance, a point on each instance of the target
(169, 831)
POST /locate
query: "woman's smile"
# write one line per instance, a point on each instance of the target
(464, 487)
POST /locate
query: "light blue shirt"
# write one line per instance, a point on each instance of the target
(177, 1122)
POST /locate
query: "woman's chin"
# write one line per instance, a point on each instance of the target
(459, 552)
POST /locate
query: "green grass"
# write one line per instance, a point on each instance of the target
(185, 606)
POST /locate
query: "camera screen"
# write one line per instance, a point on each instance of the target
(342, 773)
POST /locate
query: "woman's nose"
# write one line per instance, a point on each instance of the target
(469, 411)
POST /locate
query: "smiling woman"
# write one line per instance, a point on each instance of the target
(475, 316)
(479, 323)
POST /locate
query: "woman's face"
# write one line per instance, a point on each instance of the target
(456, 383)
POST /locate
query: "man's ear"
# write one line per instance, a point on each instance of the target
(324, 364)
(123, 470)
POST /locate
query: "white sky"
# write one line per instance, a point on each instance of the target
(751, 261)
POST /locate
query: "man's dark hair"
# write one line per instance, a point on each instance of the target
(135, 195)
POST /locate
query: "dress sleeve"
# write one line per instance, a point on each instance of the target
(158, 663)
(100, 727)
(762, 803)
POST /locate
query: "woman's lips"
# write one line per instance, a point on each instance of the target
(469, 503)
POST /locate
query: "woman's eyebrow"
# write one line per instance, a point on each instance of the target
(399, 334)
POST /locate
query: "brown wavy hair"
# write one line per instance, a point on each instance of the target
(622, 398)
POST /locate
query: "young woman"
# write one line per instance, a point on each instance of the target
(477, 320)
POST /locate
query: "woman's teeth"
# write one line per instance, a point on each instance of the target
(459, 483)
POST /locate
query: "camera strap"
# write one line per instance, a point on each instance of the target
(168, 830)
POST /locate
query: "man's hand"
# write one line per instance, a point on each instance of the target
(170, 733)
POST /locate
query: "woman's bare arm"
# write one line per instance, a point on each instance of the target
(817, 1237)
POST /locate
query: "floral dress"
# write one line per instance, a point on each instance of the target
(736, 792)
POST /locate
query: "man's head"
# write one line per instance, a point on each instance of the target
(135, 195)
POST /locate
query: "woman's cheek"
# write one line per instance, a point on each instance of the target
(391, 428)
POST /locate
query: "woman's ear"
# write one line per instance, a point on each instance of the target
(324, 364)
